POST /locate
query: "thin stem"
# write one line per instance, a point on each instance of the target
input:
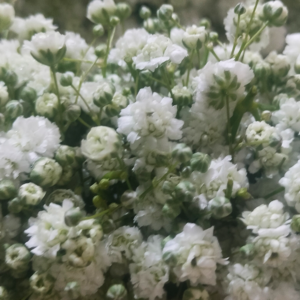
(111, 34)
(123, 166)
(236, 36)
(251, 19)
(190, 68)
(229, 128)
(215, 54)
(85, 102)
(199, 58)
(57, 93)
(84, 123)
(279, 190)
(110, 210)
(136, 84)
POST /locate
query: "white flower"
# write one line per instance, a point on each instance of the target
(47, 48)
(98, 10)
(130, 44)
(48, 231)
(292, 49)
(31, 194)
(150, 116)
(285, 290)
(280, 64)
(158, 50)
(195, 253)
(271, 216)
(101, 143)
(213, 183)
(27, 27)
(7, 14)
(259, 133)
(291, 183)
(194, 37)
(99, 169)
(275, 12)
(148, 271)
(3, 94)
(288, 116)
(35, 136)
(122, 243)
(176, 35)
(47, 105)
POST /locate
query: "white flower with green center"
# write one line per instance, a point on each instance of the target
(47, 105)
(17, 257)
(99, 11)
(31, 194)
(194, 37)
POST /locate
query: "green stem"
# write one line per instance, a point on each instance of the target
(111, 34)
(279, 190)
(58, 95)
(236, 36)
(190, 68)
(84, 123)
(215, 54)
(229, 129)
(124, 167)
(110, 210)
(136, 84)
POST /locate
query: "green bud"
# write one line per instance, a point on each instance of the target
(266, 116)
(17, 257)
(104, 184)
(262, 70)
(175, 18)
(72, 113)
(94, 188)
(66, 176)
(65, 155)
(119, 100)
(7, 189)
(31, 194)
(47, 105)
(243, 194)
(200, 162)
(171, 211)
(128, 198)
(160, 158)
(165, 12)
(182, 153)
(123, 10)
(205, 22)
(220, 207)
(10, 78)
(295, 224)
(112, 110)
(13, 109)
(99, 202)
(98, 30)
(73, 290)
(104, 94)
(240, 9)
(213, 36)
(182, 96)
(247, 251)
(185, 191)
(15, 205)
(145, 13)
(100, 50)
(45, 172)
(195, 294)
(66, 79)
(186, 172)
(275, 13)
(28, 94)
(3, 293)
(114, 21)
(73, 216)
(150, 25)
(116, 292)
(41, 283)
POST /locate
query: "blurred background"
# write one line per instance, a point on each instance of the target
(69, 15)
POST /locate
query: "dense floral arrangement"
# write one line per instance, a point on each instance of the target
(160, 166)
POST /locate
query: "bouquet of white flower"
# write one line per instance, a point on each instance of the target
(163, 165)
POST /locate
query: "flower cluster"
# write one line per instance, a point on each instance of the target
(158, 164)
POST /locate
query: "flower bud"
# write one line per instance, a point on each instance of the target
(7, 189)
(72, 113)
(66, 176)
(295, 224)
(182, 153)
(73, 290)
(185, 191)
(41, 283)
(28, 94)
(100, 50)
(104, 184)
(186, 172)
(98, 30)
(73, 216)
(297, 65)
(266, 116)
(123, 11)
(13, 109)
(175, 18)
(66, 79)
(205, 23)
(145, 13)
(114, 21)
(116, 292)
(65, 155)
(262, 70)
(31, 194)
(10, 78)
(15, 205)
(104, 94)
(3, 293)
(194, 37)
(150, 25)
(45, 172)
(99, 11)
(165, 12)
(128, 198)
(160, 158)
(247, 251)
(47, 105)
(243, 194)
(275, 12)
(112, 110)
(220, 207)
(182, 96)
(195, 294)
(120, 100)
(17, 257)
(7, 15)
(240, 9)
(171, 211)
(213, 36)
(200, 162)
